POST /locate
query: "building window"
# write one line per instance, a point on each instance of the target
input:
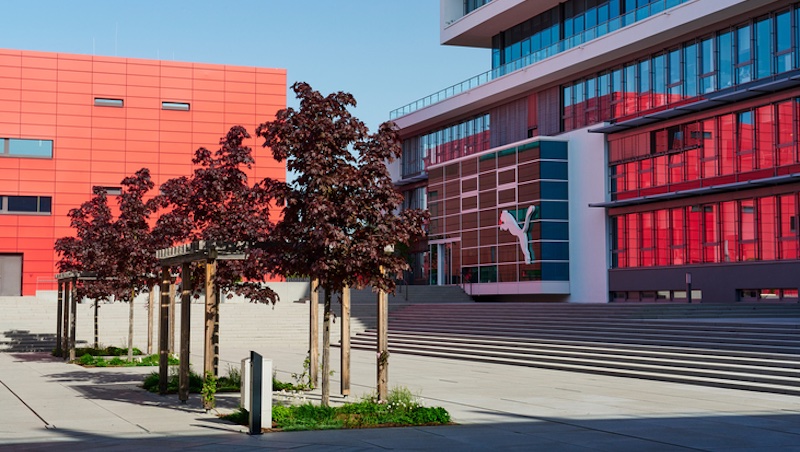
(107, 102)
(110, 191)
(25, 204)
(179, 106)
(22, 147)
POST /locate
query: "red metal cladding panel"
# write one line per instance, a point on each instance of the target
(50, 96)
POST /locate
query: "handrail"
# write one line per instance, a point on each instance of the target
(616, 23)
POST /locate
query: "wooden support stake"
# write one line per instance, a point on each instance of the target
(163, 331)
(186, 300)
(172, 315)
(73, 318)
(383, 345)
(150, 307)
(59, 318)
(65, 338)
(345, 357)
(211, 350)
(313, 332)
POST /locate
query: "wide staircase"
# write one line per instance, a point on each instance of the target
(28, 324)
(742, 346)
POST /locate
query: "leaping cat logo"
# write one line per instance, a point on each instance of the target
(510, 224)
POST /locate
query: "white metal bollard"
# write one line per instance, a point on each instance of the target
(246, 382)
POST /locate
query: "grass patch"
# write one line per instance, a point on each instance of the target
(230, 383)
(103, 351)
(90, 360)
(401, 409)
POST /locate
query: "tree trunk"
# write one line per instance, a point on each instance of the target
(326, 350)
(96, 324)
(130, 327)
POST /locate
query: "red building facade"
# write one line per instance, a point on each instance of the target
(69, 123)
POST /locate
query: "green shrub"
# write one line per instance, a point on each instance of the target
(401, 408)
(208, 390)
(241, 416)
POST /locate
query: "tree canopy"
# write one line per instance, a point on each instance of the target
(339, 213)
(218, 204)
(339, 224)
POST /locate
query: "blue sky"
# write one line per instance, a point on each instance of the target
(385, 53)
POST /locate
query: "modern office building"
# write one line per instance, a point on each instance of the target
(69, 123)
(615, 150)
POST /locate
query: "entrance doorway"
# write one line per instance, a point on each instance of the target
(10, 275)
(441, 263)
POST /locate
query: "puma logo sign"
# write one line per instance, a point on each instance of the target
(510, 224)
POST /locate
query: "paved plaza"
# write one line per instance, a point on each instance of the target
(48, 405)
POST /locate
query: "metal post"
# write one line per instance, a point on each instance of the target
(689, 287)
(255, 393)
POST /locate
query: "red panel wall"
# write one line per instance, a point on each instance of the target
(51, 96)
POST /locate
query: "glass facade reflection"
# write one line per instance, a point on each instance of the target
(739, 230)
(755, 50)
(500, 216)
(746, 145)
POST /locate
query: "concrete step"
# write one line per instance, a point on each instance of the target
(745, 382)
(700, 345)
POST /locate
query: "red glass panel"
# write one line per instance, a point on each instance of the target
(766, 227)
(660, 171)
(632, 230)
(747, 231)
(693, 229)
(765, 136)
(676, 168)
(726, 140)
(692, 164)
(710, 234)
(631, 171)
(730, 232)
(646, 173)
(786, 133)
(708, 153)
(787, 229)
(744, 141)
(662, 237)
(678, 241)
(648, 242)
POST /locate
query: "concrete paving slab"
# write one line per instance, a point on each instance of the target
(498, 407)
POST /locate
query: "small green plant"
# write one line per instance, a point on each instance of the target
(303, 379)
(209, 390)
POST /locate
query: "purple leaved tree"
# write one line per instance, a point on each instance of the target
(339, 213)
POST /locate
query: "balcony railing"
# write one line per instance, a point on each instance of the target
(616, 23)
